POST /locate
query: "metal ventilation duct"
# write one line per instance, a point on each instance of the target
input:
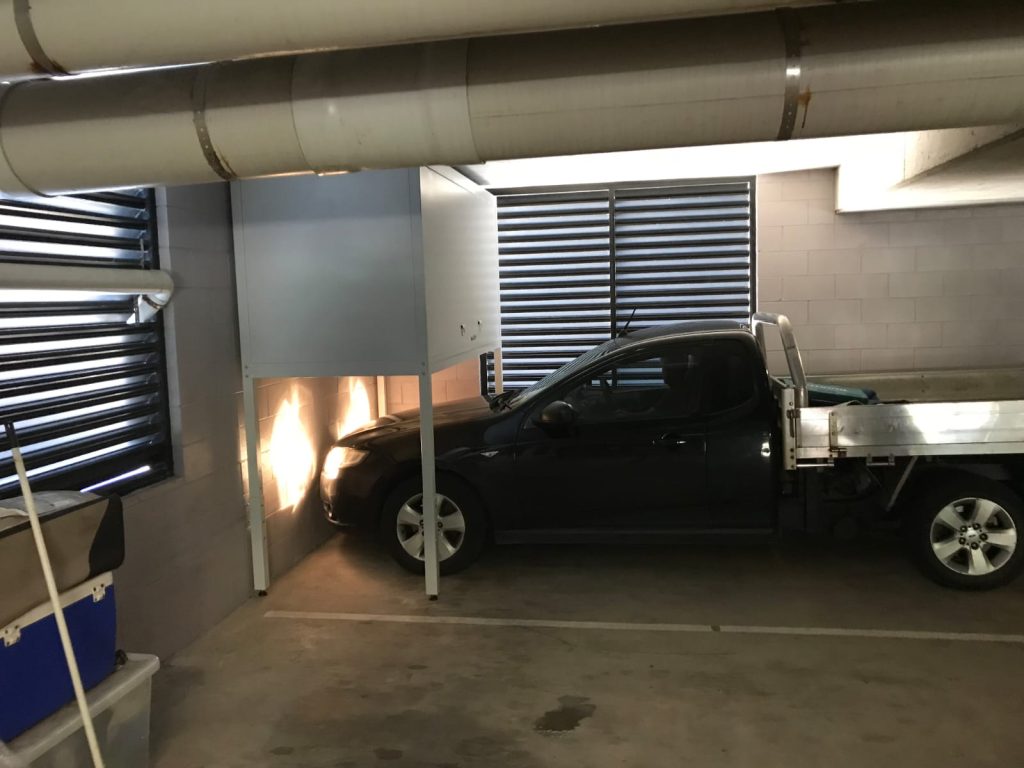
(821, 71)
(62, 36)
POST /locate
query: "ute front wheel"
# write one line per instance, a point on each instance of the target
(461, 525)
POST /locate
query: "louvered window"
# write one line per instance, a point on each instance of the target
(576, 266)
(83, 381)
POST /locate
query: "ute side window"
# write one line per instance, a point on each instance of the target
(729, 379)
(659, 384)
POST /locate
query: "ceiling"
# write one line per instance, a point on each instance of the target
(923, 169)
(682, 163)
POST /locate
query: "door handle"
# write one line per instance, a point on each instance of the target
(669, 440)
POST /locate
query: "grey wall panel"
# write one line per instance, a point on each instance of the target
(328, 272)
(350, 275)
(460, 242)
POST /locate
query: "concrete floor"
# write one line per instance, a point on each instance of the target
(260, 691)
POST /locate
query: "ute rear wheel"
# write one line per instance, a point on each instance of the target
(963, 533)
(461, 531)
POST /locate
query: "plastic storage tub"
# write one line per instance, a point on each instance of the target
(120, 710)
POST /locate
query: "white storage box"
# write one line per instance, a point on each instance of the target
(120, 710)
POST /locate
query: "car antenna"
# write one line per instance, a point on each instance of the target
(625, 328)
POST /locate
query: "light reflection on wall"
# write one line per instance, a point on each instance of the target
(304, 418)
(358, 411)
(291, 453)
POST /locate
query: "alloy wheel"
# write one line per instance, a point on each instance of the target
(451, 527)
(973, 536)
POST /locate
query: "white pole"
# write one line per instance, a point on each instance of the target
(153, 282)
(257, 519)
(51, 588)
(382, 396)
(430, 505)
(499, 373)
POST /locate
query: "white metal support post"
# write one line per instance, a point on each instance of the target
(257, 520)
(430, 504)
(499, 373)
(382, 396)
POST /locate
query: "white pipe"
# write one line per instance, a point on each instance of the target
(59, 36)
(58, 609)
(156, 286)
(153, 282)
(821, 71)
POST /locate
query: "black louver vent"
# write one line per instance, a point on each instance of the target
(575, 266)
(83, 382)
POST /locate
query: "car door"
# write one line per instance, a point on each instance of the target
(741, 424)
(633, 456)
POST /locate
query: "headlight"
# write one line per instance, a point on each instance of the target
(340, 457)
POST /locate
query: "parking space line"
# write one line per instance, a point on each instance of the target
(626, 626)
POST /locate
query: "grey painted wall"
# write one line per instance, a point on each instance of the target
(924, 290)
(187, 562)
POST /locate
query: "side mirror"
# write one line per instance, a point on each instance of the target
(558, 415)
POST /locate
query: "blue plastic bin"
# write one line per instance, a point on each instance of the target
(34, 677)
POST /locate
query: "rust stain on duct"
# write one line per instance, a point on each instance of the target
(804, 101)
(58, 68)
(41, 62)
(51, 68)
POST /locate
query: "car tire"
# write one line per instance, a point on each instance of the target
(952, 529)
(460, 507)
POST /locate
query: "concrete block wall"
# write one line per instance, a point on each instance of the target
(458, 382)
(188, 560)
(299, 419)
(904, 290)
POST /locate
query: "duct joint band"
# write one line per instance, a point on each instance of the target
(213, 158)
(792, 33)
(41, 62)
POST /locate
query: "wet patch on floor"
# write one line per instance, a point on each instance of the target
(572, 711)
(383, 753)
